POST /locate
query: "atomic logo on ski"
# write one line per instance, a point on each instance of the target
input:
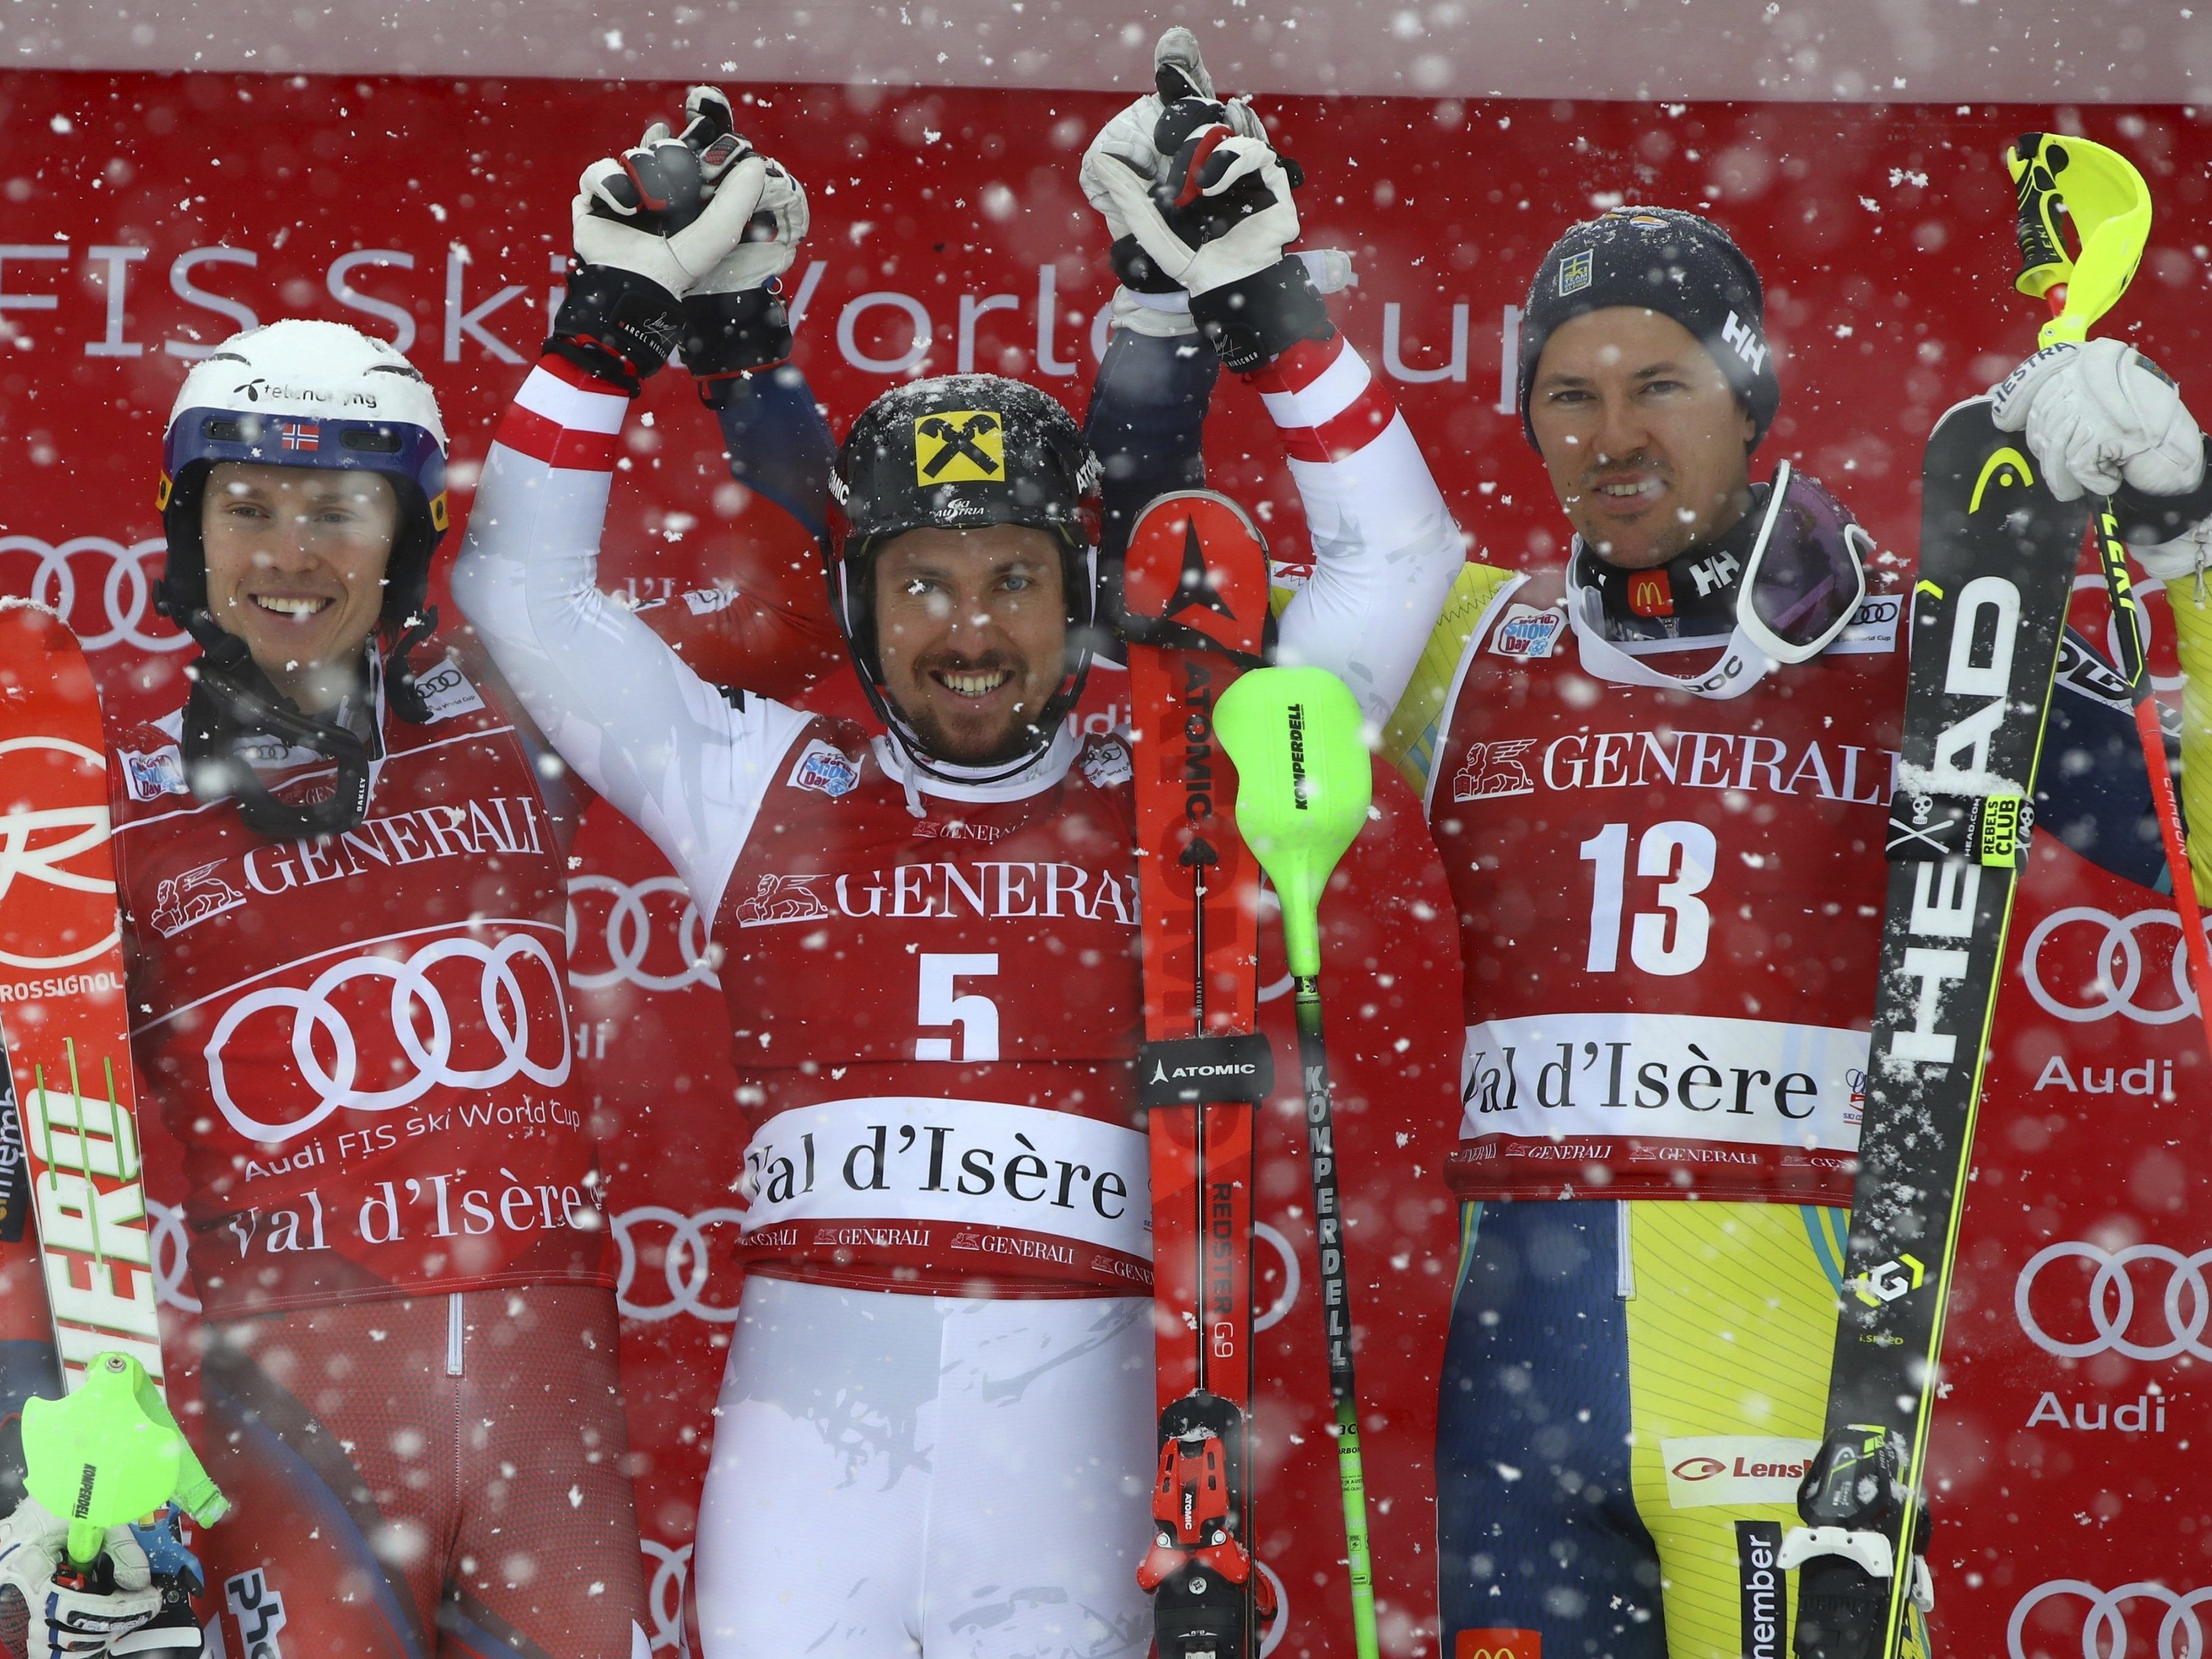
(1196, 587)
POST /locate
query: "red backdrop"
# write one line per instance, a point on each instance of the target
(147, 217)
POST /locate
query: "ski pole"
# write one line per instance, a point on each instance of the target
(2110, 204)
(1303, 787)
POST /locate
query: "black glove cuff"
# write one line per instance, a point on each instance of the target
(1137, 272)
(1252, 322)
(2147, 520)
(616, 323)
(731, 334)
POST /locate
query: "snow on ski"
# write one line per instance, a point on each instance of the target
(1998, 554)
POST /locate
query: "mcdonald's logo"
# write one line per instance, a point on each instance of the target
(1498, 1644)
(1650, 593)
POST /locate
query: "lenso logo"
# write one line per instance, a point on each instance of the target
(1708, 1470)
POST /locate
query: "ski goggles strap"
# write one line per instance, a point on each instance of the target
(1806, 578)
(232, 699)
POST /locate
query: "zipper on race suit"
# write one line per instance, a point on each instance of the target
(453, 1328)
(1624, 1268)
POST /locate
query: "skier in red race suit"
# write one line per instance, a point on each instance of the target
(344, 895)
(935, 1432)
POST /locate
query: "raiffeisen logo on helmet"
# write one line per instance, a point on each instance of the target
(255, 390)
(960, 446)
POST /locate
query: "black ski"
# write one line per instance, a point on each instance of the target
(1997, 558)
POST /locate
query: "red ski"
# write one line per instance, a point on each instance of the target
(1194, 613)
(62, 1006)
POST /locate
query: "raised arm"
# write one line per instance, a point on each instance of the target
(685, 761)
(680, 760)
(1208, 202)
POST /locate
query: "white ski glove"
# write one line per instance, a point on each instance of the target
(68, 1621)
(1146, 302)
(1197, 249)
(675, 259)
(734, 319)
(1149, 301)
(649, 225)
(2100, 415)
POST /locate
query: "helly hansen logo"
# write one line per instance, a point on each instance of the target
(1745, 339)
(1759, 1580)
(1714, 573)
(961, 446)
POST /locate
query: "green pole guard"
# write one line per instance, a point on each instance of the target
(1303, 784)
(111, 1454)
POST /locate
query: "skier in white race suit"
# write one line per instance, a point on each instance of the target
(935, 1433)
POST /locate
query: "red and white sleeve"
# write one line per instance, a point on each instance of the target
(1386, 550)
(565, 417)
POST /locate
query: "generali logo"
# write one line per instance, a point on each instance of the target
(1708, 1470)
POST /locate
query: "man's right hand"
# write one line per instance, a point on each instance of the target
(650, 225)
(40, 1618)
(1198, 205)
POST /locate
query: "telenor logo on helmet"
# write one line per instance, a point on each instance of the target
(960, 446)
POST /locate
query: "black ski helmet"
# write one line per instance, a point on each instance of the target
(962, 451)
(1664, 259)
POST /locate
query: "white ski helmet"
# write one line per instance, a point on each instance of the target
(304, 393)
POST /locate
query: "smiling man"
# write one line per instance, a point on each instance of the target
(926, 939)
(345, 899)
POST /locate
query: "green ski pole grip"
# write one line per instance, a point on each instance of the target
(111, 1454)
(1303, 784)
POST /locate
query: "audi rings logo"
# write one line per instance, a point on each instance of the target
(686, 1266)
(1287, 1297)
(653, 937)
(171, 1262)
(2172, 1283)
(332, 1057)
(667, 1566)
(2084, 964)
(64, 578)
(2168, 1617)
(38, 844)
